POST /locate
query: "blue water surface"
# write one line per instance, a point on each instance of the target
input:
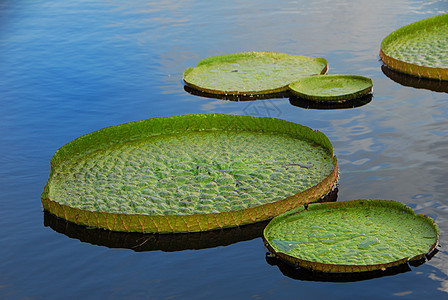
(68, 68)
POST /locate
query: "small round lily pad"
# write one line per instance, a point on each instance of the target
(331, 88)
(419, 49)
(351, 236)
(251, 73)
(189, 173)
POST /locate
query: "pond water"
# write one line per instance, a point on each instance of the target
(72, 67)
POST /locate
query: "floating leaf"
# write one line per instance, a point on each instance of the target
(331, 88)
(188, 173)
(419, 49)
(251, 73)
(356, 236)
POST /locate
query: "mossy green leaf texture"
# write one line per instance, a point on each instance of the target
(352, 236)
(420, 48)
(187, 166)
(190, 173)
(330, 88)
(251, 73)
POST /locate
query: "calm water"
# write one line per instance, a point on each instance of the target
(68, 68)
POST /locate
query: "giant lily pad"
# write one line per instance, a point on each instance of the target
(419, 49)
(189, 173)
(331, 88)
(251, 73)
(351, 236)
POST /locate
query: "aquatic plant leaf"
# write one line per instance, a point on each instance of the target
(331, 88)
(251, 73)
(419, 49)
(189, 173)
(285, 246)
(351, 236)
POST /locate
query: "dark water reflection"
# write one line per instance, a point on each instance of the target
(296, 101)
(416, 82)
(150, 242)
(308, 104)
(310, 275)
(307, 275)
(69, 68)
(165, 242)
(237, 98)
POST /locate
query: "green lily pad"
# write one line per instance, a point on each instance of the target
(351, 236)
(189, 173)
(331, 88)
(419, 49)
(251, 73)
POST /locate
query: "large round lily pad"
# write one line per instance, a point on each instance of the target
(331, 88)
(351, 236)
(419, 49)
(189, 173)
(251, 73)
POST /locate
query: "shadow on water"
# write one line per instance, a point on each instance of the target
(294, 100)
(415, 82)
(309, 275)
(309, 104)
(196, 92)
(168, 242)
